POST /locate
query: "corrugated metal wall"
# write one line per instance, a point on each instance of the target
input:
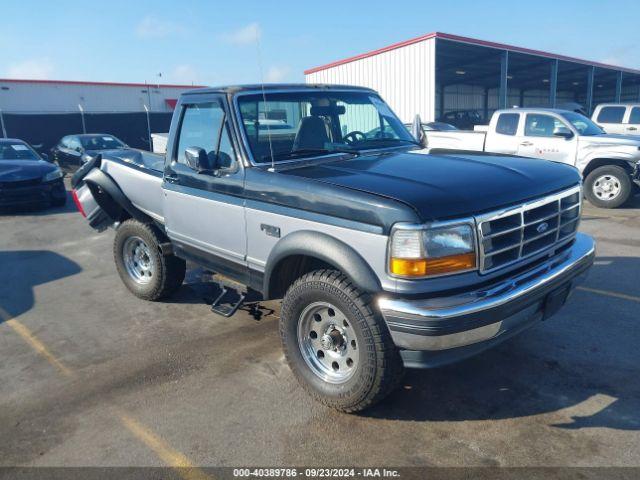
(359, 117)
(404, 77)
(25, 97)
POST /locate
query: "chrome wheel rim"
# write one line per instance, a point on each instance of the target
(137, 260)
(328, 342)
(606, 187)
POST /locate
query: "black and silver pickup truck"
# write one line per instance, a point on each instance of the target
(315, 194)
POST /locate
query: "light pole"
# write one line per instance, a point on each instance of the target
(4, 130)
(146, 109)
(84, 127)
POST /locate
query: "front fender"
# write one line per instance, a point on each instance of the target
(327, 249)
(609, 154)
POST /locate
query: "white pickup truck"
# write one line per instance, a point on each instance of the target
(610, 164)
(621, 118)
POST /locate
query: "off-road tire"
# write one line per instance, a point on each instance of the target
(169, 270)
(380, 368)
(622, 177)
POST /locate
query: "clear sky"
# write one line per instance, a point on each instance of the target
(213, 42)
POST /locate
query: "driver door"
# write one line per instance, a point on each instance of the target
(547, 137)
(204, 210)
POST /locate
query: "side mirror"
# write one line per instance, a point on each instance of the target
(566, 134)
(45, 157)
(418, 132)
(197, 159)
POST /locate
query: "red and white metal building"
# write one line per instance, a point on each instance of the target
(439, 74)
(61, 96)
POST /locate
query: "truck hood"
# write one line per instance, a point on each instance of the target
(609, 140)
(445, 186)
(17, 170)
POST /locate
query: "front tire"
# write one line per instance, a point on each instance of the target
(144, 270)
(608, 186)
(336, 343)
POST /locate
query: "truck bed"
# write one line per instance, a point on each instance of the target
(139, 176)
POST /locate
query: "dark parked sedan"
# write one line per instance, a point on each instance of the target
(27, 179)
(74, 150)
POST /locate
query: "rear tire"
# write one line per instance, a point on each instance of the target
(336, 343)
(608, 187)
(142, 267)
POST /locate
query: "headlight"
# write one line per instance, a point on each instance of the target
(51, 176)
(432, 251)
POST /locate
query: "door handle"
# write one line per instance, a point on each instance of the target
(526, 144)
(632, 128)
(171, 178)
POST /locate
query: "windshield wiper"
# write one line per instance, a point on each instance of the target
(305, 152)
(377, 141)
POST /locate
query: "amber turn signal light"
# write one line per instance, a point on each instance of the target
(409, 267)
(425, 267)
(451, 263)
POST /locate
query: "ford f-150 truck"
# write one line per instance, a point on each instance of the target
(610, 164)
(383, 257)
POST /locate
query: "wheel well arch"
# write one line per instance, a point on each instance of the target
(288, 269)
(305, 251)
(602, 162)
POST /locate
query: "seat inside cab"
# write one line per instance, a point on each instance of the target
(295, 127)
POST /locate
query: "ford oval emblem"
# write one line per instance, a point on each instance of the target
(543, 227)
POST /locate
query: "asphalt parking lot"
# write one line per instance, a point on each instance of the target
(92, 376)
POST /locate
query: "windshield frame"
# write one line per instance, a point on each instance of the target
(20, 142)
(245, 141)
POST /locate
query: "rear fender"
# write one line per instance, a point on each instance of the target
(110, 198)
(89, 208)
(78, 177)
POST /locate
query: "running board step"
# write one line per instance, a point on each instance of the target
(227, 309)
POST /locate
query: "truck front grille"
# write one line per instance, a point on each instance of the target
(516, 233)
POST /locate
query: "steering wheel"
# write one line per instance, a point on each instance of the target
(352, 137)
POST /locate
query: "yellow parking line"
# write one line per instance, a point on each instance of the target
(36, 344)
(167, 454)
(171, 457)
(610, 294)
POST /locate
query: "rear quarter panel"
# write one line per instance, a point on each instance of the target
(142, 188)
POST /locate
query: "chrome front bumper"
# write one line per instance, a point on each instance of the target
(473, 321)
